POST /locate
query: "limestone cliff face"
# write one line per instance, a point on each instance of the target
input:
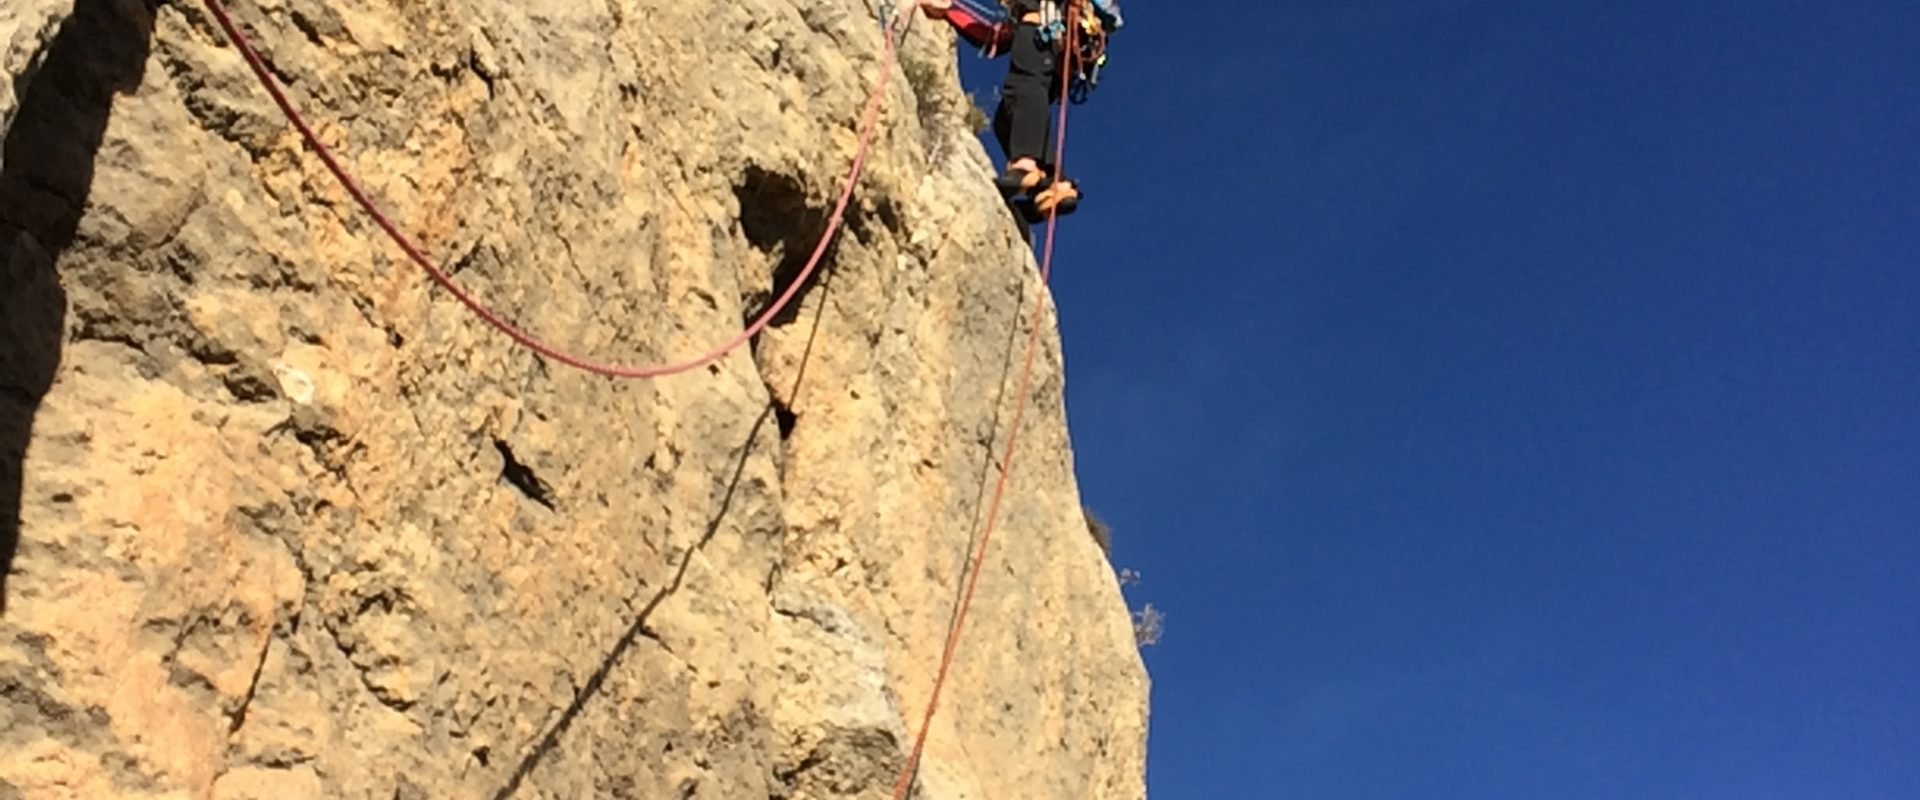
(282, 521)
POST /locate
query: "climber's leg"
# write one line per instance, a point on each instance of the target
(1021, 127)
(1021, 121)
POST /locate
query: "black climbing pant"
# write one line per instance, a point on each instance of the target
(1026, 97)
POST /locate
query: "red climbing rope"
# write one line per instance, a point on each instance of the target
(868, 124)
(978, 556)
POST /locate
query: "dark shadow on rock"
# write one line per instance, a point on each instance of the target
(46, 175)
(1020, 221)
(596, 682)
(990, 468)
(778, 220)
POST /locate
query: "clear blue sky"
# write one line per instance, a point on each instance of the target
(1510, 399)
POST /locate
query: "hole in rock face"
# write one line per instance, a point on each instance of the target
(778, 221)
(786, 418)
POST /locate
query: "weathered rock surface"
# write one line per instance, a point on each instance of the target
(259, 535)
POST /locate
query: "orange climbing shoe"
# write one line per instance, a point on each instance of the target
(1059, 199)
(1016, 182)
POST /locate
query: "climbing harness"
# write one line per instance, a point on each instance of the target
(869, 125)
(977, 556)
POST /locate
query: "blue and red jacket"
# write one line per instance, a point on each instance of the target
(986, 25)
(983, 23)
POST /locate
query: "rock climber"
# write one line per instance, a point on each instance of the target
(1032, 34)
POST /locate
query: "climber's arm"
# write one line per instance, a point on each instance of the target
(981, 22)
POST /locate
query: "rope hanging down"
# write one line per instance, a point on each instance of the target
(977, 558)
(869, 123)
(868, 126)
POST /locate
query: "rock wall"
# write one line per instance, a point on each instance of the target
(280, 520)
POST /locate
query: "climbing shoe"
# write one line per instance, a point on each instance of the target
(1061, 198)
(1019, 182)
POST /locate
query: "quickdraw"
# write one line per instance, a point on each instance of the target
(1087, 64)
(1089, 58)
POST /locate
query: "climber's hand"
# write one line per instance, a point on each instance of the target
(935, 9)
